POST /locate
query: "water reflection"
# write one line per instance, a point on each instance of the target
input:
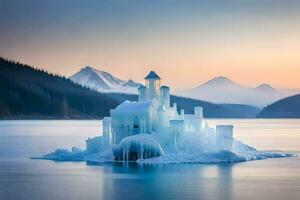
(21, 178)
(225, 183)
(274, 179)
(171, 181)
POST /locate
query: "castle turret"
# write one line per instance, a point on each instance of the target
(224, 135)
(164, 97)
(142, 93)
(198, 111)
(152, 82)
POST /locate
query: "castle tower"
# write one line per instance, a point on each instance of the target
(164, 97)
(224, 136)
(142, 93)
(152, 82)
(198, 112)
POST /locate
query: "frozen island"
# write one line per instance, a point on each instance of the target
(153, 131)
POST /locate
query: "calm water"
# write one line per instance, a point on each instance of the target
(22, 178)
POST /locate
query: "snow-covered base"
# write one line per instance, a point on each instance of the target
(75, 154)
(185, 152)
(217, 157)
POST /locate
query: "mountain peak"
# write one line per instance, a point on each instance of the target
(220, 80)
(131, 83)
(88, 68)
(222, 77)
(266, 87)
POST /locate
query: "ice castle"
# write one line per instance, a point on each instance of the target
(152, 131)
(145, 129)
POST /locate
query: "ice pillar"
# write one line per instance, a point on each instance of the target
(106, 130)
(176, 130)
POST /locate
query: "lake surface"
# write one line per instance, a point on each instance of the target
(23, 178)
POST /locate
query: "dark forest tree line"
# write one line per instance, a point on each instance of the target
(30, 93)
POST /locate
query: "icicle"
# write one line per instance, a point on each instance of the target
(141, 146)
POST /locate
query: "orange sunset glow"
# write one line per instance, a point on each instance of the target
(251, 43)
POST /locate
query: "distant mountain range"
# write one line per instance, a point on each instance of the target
(284, 108)
(219, 90)
(26, 92)
(103, 81)
(223, 90)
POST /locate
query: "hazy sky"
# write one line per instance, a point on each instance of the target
(186, 42)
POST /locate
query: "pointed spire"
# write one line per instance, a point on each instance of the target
(152, 75)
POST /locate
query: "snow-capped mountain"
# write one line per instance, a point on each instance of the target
(224, 90)
(103, 81)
